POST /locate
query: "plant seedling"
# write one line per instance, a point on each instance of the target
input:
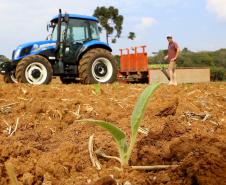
(118, 135)
(97, 89)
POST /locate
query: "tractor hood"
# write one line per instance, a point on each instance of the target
(32, 48)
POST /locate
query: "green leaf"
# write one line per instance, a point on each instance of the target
(140, 107)
(117, 134)
(97, 89)
(137, 115)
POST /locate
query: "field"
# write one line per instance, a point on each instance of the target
(42, 140)
(157, 66)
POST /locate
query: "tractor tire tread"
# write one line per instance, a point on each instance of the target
(27, 60)
(84, 74)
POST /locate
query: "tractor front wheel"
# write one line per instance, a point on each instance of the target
(98, 66)
(35, 70)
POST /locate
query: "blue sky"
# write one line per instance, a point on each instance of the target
(195, 24)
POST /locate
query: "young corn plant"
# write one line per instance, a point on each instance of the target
(118, 135)
(97, 89)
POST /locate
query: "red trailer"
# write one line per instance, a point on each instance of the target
(134, 64)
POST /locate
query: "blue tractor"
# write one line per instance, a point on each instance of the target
(73, 52)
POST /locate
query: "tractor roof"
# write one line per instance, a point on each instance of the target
(76, 16)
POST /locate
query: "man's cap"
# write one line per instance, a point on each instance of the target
(169, 37)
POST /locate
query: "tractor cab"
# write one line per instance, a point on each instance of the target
(71, 32)
(77, 27)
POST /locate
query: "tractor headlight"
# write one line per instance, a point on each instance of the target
(17, 54)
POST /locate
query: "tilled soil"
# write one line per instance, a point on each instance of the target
(187, 127)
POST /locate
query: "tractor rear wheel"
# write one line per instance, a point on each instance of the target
(98, 66)
(35, 70)
(67, 80)
(10, 78)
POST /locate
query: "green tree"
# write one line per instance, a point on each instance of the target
(110, 20)
(158, 57)
(4, 59)
(217, 74)
(132, 36)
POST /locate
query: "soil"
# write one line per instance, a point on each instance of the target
(50, 147)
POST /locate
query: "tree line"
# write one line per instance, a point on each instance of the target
(216, 60)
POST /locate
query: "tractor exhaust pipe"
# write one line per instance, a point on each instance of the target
(59, 30)
(59, 46)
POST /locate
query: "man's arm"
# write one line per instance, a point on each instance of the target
(177, 54)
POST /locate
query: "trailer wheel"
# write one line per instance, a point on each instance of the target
(98, 66)
(10, 78)
(67, 80)
(35, 70)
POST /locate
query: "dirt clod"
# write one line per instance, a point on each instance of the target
(106, 181)
(170, 109)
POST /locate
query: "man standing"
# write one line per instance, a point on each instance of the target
(173, 53)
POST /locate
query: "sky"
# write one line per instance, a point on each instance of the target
(195, 24)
